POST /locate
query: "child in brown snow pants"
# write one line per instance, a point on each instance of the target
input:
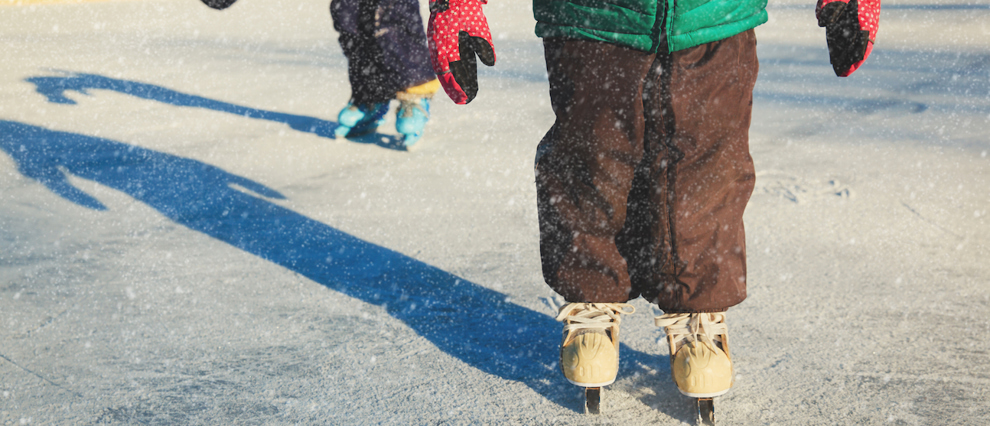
(642, 182)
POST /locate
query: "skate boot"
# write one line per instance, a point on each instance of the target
(414, 112)
(359, 120)
(589, 353)
(699, 357)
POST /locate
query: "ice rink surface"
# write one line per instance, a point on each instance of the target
(183, 242)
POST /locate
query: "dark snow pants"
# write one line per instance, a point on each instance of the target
(385, 45)
(644, 176)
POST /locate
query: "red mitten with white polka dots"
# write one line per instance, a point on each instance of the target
(850, 29)
(457, 32)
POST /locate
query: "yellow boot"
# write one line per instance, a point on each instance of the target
(699, 353)
(589, 353)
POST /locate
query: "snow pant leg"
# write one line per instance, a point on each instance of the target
(402, 38)
(685, 235)
(385, 45)
(585, 166)
(643, 194)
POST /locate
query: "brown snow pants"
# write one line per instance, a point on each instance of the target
(643, 179)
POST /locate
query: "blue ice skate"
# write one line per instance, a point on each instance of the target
(410, 119)
(359, 120)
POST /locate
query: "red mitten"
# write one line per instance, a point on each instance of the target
(850, 29)
(457, 32)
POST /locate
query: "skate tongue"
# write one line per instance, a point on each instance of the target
(700, 344)
(574, 334)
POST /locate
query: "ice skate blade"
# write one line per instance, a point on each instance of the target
(592, 400)
(706, 411)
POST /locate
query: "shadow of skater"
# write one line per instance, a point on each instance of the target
(474, 324)
(54, 88)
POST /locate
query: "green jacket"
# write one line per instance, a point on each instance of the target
(638, 23)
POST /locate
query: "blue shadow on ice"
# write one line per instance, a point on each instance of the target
(54, 88)
(476, 325)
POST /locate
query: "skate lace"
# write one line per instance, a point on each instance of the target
(707, 328)
(597, 316)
